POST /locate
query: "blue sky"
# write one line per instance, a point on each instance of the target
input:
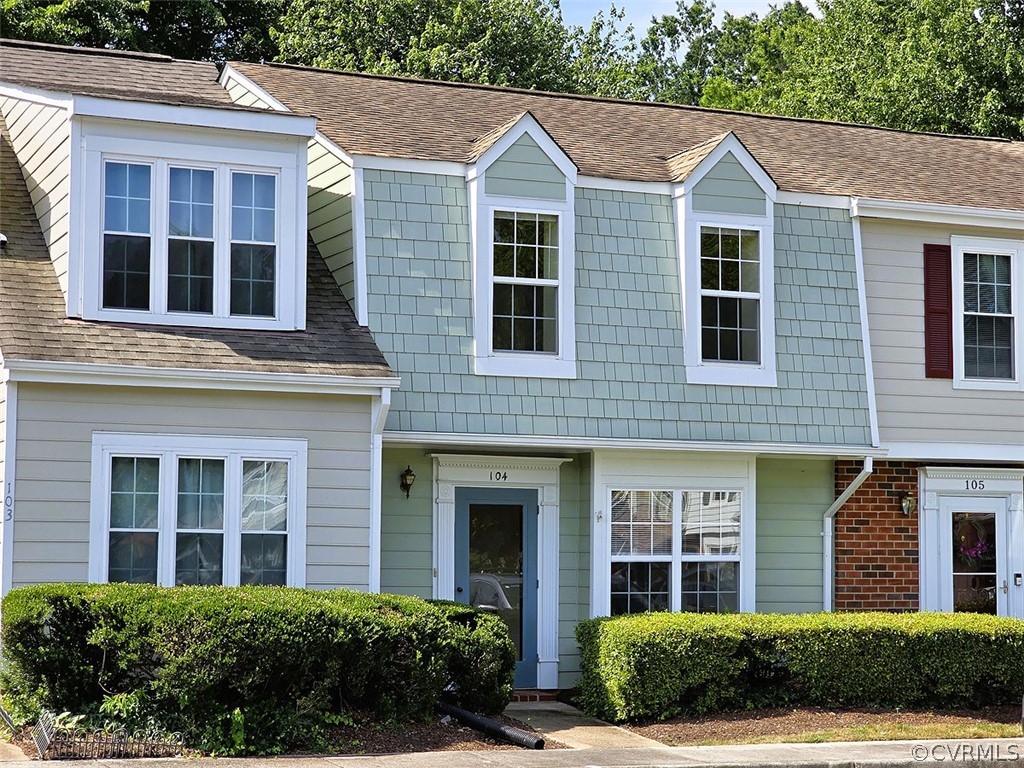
(639, 12)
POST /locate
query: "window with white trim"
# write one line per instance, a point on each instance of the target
(525, 289)
(988, 290)
(174, 511)
(675, 550)
(730, 295)
(188, 234)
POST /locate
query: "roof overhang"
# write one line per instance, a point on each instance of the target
(937, 213)
(51, 372)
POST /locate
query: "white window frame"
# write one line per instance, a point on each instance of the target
(282, 157)
(169, 448)
(1015, 250)
(487, 360)
(688, 225)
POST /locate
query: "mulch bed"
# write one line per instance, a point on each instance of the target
(737, 726)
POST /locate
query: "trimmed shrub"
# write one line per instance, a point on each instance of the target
(654, 666)
(247, 669)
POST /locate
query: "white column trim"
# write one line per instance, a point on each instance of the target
(453, 471)
(379, 407)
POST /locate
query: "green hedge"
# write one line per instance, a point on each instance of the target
(654, 666)
(246, 669)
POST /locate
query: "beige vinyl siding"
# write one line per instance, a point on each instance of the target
(330, 214)
(912, 408)
(573, 563)
(728, 188)
(523, 170)
(792, 496)
(244, 96)
(407, 544)
(41, 138)
(55, 429)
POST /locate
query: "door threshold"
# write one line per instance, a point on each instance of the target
(521, 695)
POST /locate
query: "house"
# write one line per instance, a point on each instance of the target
(651, 357)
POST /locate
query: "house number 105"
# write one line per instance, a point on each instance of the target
(499, 475)
(974, 485)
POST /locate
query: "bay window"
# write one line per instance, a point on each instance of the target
(172, 511)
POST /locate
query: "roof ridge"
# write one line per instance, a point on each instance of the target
(81, 49)
(613, 100)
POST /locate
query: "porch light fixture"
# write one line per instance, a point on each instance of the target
(406, 479)
(908, 503)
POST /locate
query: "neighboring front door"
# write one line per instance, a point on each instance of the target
(982, 556)
(496, 564)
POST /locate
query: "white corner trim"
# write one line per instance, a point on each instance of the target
(452, 471)
(563, 443)
(989, 452)
(230, 74)
(284, 123)
(938, 213)
(194, 378)
(730, 145)
(865, 331)
(168, 447)
(359, 247)
(378, 417)
(527, 124)
(9, 488)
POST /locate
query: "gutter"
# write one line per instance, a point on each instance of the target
(828, 532)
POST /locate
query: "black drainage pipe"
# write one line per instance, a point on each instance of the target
(493, 728)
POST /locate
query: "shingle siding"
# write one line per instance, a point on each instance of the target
(631, 379)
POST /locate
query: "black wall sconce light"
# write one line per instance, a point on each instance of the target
(406, 479)
(908, 503)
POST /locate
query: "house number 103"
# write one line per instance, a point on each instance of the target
(499, 475)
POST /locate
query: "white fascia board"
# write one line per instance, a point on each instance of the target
(555, 442)
(282, 123)
(937, 213)
(408, 164)
(185, 378)
(229, 74)
(955, 452)
(730, 144)
(625, 185)
(813, 200)
(36, 95)
(527, 124)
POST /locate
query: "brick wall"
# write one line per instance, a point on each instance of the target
(876, 545)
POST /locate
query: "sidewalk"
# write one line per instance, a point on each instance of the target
(994, 753)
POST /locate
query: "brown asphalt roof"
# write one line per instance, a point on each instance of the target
(113, 74)
(399, 117)
(34, 323)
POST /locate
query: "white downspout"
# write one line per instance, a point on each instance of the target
(828, 532)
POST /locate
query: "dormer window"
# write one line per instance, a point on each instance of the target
(194, 234)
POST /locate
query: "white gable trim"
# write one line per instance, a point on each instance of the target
(185, 378)
(729, 144)
(230, 74)
(527, 124)
(36, 95)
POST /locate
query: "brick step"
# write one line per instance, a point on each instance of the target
(529, 694)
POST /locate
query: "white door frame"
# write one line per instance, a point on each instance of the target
(939, 487)
(453, 471)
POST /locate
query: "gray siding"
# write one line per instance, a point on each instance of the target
(728, 188)
(573, 563)
(792, 496)
(525, 171)
(41, 137)
(406, 540)
(912, 408)
(631, 379)
(55, 429)
(330, 214)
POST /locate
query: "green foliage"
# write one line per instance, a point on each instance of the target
(250, 669)
(654, 666)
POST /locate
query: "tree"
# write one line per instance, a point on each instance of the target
(500, 42)
(186, 29)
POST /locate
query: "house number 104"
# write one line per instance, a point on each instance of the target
(499, 475)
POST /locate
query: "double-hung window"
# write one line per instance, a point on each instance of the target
(190, 235)
(988, 290)
(675, 550)
(199, 510)
(730, 295)
(525, 275)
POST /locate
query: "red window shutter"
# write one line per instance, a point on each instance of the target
(938, 312)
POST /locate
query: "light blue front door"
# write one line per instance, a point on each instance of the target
(496, 564)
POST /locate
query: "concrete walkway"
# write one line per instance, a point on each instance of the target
(986, 753)
(567, 725)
